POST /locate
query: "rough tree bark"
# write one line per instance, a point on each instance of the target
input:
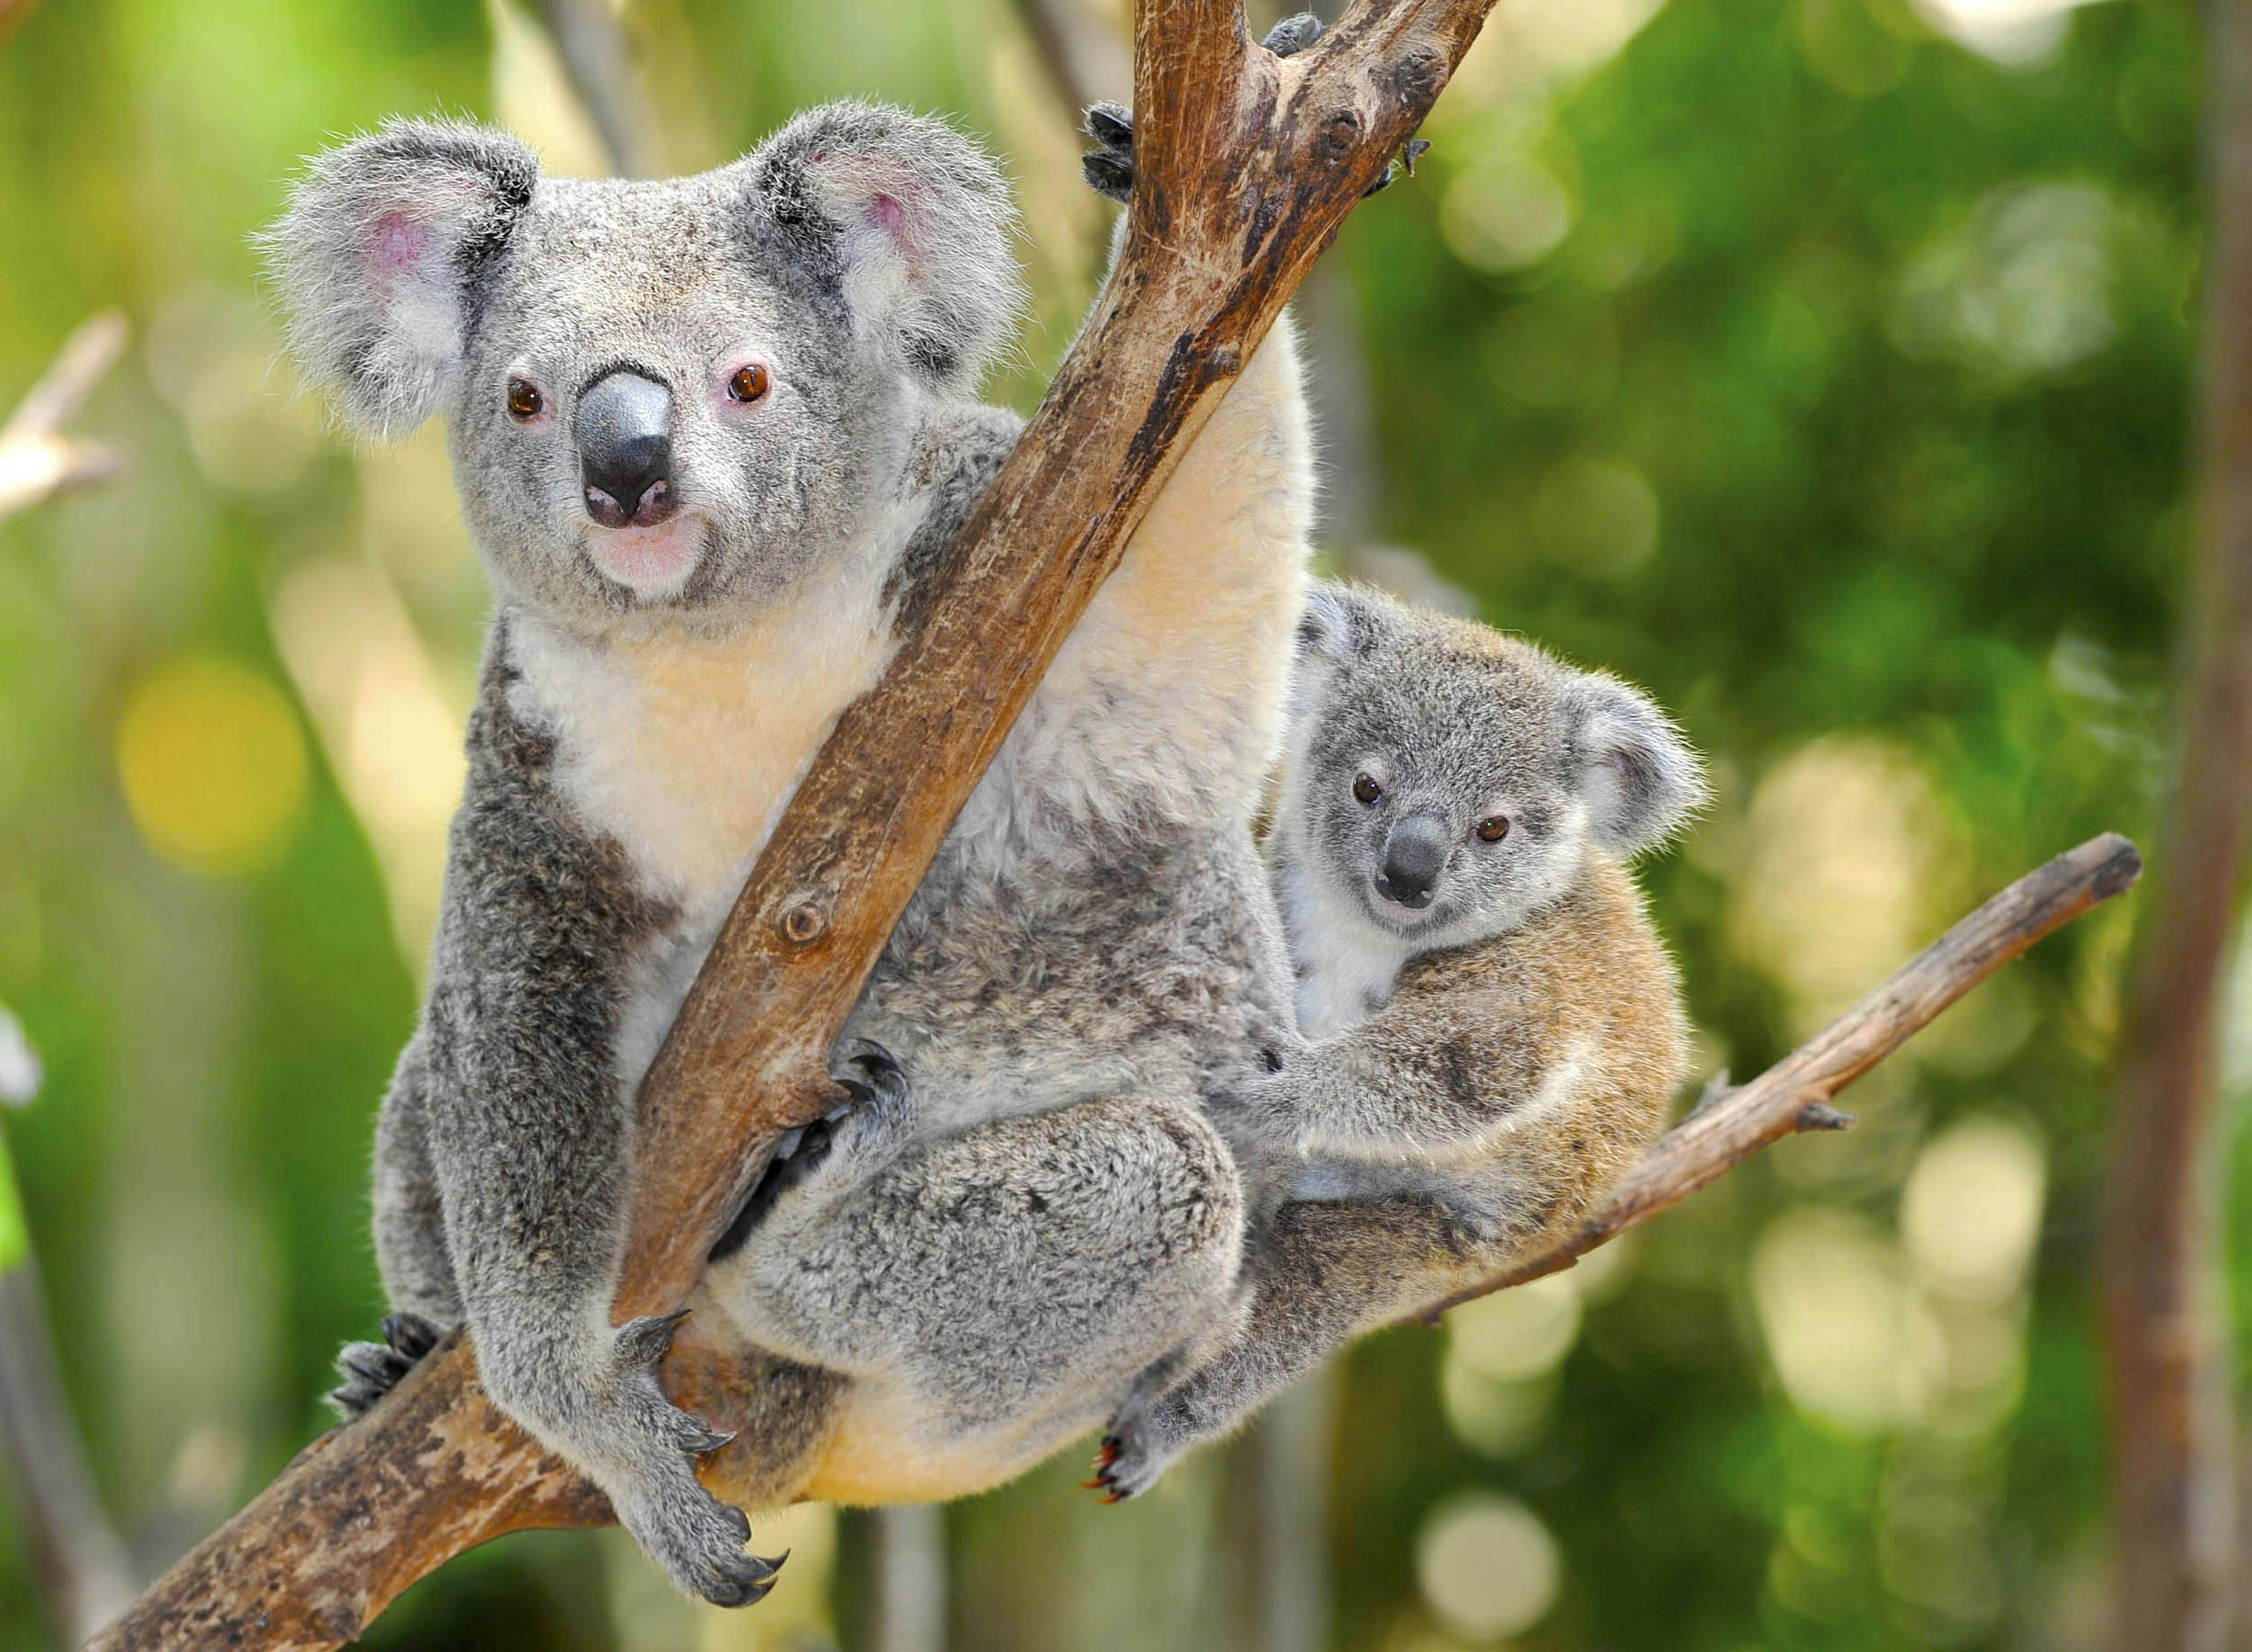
(1246, 166)
(2168, 1335)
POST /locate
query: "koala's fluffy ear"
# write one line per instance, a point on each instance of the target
(1337, 626)
(379, 259)
(1642, 782)
(912, 220)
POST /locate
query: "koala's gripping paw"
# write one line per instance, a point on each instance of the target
(1109, 170)
(642, 1450)
(849, 1140)
(1135, 1453)
(372, 1370)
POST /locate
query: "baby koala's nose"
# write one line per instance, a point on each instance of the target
(624, 430)
(1415, 855)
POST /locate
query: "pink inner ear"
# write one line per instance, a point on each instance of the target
(398, 244)
(890, 216)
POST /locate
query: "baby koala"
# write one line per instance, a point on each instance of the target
(1496, 1027)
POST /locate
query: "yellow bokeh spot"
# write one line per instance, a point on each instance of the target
(213, 765)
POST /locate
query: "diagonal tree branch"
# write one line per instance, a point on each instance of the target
(1246, 166)
(1794, 1095)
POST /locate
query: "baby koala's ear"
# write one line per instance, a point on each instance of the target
(380, 257)
(1337, 627)
(1640, 778)
(912, 220)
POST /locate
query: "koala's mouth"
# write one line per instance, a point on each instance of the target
(654, 563)
(1398, 916)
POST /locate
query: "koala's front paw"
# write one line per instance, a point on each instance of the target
(644, 1449)
(372, 1370)
(839, 1149)
(1140, 1445)
(1271, 1111)
(1109, 171)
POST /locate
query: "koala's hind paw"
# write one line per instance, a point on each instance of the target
(372, 1370)
(698, 1540)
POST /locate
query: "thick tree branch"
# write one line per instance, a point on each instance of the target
(1246, 167)
(2166, 1315)
(1794, 1095)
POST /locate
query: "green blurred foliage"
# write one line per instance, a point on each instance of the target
(1826, 377)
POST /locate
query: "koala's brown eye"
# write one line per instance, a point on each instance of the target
(1493, 829)
(1366, 789)
(524, 399)
(748, 384)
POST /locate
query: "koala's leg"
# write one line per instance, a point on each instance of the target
(1015, 1277)
(1320, 1275)
(410, 1245)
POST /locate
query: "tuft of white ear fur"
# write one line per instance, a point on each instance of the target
(1338, 625)
(378, 257)
(917, 222)
(1642, 781)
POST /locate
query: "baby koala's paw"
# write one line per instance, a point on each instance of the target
(1271, 1111)
(372, 1370)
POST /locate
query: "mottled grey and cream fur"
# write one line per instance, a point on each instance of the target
(1496, 1028)
(710, 435)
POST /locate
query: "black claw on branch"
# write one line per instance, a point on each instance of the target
(372, 1370)
(1820, 1115)
(1109, 170)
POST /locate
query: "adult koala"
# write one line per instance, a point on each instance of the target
(711, 437)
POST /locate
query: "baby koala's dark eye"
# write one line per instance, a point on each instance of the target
(1366, 789)
(748, 384)
(1493, 829)
(524, 399)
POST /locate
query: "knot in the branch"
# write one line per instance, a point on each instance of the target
(1341, 135)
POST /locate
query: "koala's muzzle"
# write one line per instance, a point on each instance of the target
(624, 431)
(1415, 855)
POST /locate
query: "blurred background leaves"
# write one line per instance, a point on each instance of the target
(1824, 365)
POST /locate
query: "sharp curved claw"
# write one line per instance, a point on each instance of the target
(411, 1334)
(645, 1341)
(711, 1441)
(1109, 124)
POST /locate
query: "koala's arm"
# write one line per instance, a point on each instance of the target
(529, 1142)
(1462, 1056)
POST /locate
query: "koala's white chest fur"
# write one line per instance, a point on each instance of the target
(684, 748)
(1347, 966)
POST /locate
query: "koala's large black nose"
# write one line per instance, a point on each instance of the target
(625, 449)
(1414, 854)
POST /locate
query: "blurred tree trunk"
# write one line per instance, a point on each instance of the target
(2173, 1495)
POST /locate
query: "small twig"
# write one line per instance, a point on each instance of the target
(1794, 1095)
(37, 461)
